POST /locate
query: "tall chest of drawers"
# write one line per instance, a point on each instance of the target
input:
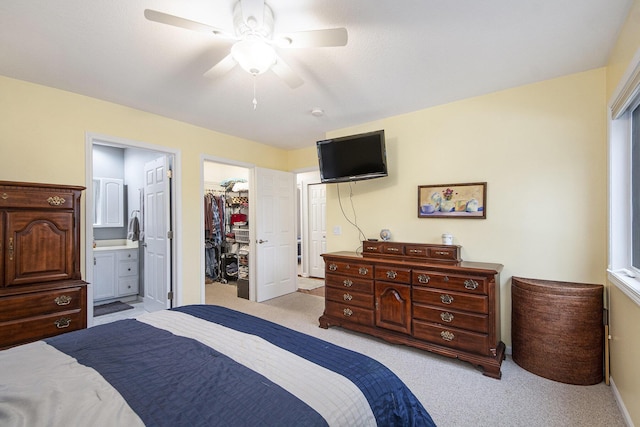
(419, 295)
(42, 293)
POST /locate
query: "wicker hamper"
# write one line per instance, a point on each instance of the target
(557, 329)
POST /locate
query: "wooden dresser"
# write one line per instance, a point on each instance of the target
(42, 293)
(420, 295)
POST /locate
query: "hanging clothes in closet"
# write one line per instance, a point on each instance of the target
(214, 214)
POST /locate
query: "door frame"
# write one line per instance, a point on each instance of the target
(252, 272)
(92, 139)
(304, 217)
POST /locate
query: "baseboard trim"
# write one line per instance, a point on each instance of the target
(618, 398)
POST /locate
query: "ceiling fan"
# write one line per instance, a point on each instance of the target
(254, 44)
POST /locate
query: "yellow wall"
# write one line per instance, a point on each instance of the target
(624, 314)
(42, 139)
(540, 148)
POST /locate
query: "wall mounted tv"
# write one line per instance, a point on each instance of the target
(352, 158)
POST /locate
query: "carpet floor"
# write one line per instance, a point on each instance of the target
(455, 393)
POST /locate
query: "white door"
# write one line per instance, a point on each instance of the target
(156, 228)
(317, 228)
(276, 245)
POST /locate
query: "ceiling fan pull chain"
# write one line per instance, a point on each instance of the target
(255, 101)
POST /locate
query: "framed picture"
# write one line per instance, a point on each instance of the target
(453, 200)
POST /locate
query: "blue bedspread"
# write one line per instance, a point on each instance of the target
(174, 381)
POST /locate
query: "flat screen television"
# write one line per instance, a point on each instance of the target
(352, 158)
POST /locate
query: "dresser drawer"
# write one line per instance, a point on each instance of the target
(39, 327)
(393, 248)
(351, 283)
(417, 251)
(393, 274)
(451, 299)
(452, 318)
(40, 303)
(445, 254)
(348, 268)
(349, 297)
(349, 312)
(372, 247)
(21, 197)
(452, 337)
(454, 282)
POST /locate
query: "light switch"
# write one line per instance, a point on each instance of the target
(337, 230)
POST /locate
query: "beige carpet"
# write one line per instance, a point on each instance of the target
(454, 392)
(309, 283)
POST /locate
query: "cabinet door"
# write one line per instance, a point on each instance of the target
(104, 275)
(393, 306)
(109, 202)
(38, 247)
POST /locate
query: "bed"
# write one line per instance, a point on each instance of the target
(199, 365)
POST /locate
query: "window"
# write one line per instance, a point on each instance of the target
(635, 189)
(624, 186)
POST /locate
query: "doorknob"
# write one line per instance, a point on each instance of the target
(262, 241)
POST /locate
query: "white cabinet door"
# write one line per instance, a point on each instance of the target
(109, 202)
(104, 275)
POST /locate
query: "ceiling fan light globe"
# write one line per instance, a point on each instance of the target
(254, 56)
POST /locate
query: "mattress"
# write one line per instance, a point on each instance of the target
(199, 365)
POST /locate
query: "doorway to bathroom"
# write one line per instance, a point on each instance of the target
(130, 255)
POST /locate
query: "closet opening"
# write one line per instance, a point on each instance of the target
(227, 245)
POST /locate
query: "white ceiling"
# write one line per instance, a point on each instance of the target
(402, 56)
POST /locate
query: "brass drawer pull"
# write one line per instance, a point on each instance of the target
(446, 317)
(5, 196)
(62, 300)
(347, 283)
(470, 284)
(423, 278)
(447, 336)
(446, 299)
(441, 253)
(391, 274)
(347, 297)
(363, 271)
(371, 248)
(56, 201)
(10, 248)
(347, 312)
(333, 267)
(63, 322)
(393, 250)
(415, 251)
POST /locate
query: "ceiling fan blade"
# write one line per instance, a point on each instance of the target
(253, 9)
(314, 38)
(221, 68)
(164, 18)
(282, 70)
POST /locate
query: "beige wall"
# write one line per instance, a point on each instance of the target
(42, 139)
(624, 314)
(540, 148)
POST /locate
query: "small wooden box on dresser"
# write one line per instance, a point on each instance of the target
(42, 293)
(420, 295)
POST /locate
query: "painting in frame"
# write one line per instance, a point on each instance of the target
(453, 200)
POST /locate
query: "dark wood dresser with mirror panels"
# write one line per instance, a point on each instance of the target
(420, 295)
(42, 293)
